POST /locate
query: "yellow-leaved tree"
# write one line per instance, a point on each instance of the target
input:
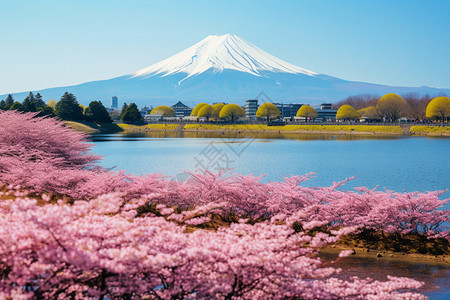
(307, 111)
(231, 112)
(216, 110)
(194, 112)
(369, 112)
(51, 103)
(268, 111)
(439, 108)
(163, 110)
(205, 112)
(391, 107)
(347, 112)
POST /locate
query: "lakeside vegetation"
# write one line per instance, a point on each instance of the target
(299, 128)
(220, 129)
(389, 108)
(399, 130)
(89, 230)
(147, 127)
(430, 130)
(93, 127)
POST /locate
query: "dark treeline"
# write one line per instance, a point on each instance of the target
(67, 108)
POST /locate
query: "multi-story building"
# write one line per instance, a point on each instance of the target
(181, 110)
(145, 110)
(326, 113)
(114, 102)
(288, 110)
(251, 106)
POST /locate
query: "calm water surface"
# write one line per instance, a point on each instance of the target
(411, 164)
(399, 164)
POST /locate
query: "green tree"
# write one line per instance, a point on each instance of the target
(123, 110)
(205, 112)
(163, 110)
(391, 107)
(17, 106)
(68, 108)
(9, 101)
(132, 114)
(29, 103)
(232, 112)
(307, 111)
(268, 111)
(347, 112)
(39, 103)
(2, 105)
(439, 107)
(96, 112)
(47, 111)
(216, 110)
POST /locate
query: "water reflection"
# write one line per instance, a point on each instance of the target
(434, 274)
(396, 163)
(228, 134)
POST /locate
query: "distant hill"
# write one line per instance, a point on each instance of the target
(223, 68)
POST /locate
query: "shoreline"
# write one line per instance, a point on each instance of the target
(258, 129)
(332, 251)
(361, 130)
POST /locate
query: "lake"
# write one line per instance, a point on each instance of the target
(395, 163)
(398, 164)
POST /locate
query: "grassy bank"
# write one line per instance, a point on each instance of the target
(148, 127)
(343, 129)
(395, 130)
(430, 130)
(91, 127)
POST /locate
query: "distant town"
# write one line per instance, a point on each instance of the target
(364, 108)
(288, 112)
(390, 108)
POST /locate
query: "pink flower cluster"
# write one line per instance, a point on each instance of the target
(122, 236)
(42, 155)
(98, 249)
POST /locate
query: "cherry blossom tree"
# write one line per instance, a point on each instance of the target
(70, 229)
(99, 249)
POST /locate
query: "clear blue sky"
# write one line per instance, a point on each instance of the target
(51, 43)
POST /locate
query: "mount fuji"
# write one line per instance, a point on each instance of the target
(223, 68)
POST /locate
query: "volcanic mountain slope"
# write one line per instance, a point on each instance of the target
(223, 68)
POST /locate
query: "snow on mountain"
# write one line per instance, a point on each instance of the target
(223, 68)
(219, 52)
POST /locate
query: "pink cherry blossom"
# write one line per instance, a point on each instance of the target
(99, 234)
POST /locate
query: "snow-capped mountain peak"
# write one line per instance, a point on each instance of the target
(219, 52)
(223, 68)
